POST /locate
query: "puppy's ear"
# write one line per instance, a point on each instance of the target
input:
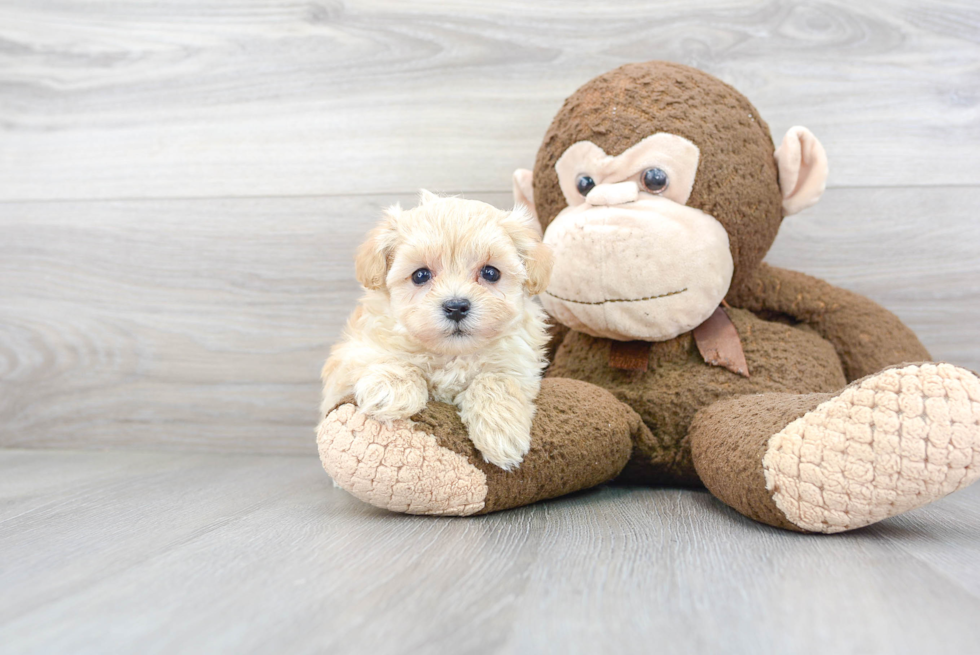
(374, 255)
(538, 263)
(536, 256)
(425, 197)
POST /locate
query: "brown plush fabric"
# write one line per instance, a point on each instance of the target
(737, 179)
(581, 437)
(349, 398)
(729, 440)
(630, 355)
(866, 336)
(782, 358)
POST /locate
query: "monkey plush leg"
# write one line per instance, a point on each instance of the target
(885, 444)
(581, 436)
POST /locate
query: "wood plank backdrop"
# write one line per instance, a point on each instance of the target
(182, 184)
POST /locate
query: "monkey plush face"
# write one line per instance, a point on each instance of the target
(634, 258)
(659, 191)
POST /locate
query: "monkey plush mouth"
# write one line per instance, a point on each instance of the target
(603, 302)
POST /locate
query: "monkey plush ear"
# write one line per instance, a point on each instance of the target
(372, 258)
(524, 193)
(802, 164)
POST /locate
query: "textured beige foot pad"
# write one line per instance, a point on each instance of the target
(397, 466)
(887, 444)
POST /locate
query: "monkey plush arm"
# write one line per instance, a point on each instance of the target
(867, 336)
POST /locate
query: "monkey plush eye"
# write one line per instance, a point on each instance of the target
(584, 184)
(489, 273)
(421, 276)
(655, 180)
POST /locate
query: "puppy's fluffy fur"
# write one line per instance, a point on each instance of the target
(401, 346)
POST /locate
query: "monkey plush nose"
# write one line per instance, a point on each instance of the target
(456, 309)
(613, 194)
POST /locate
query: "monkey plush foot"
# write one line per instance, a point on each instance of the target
(397, 466)
(884, 445)
(889, 443)
(581, 436)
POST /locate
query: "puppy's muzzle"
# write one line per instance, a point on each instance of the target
(456, 309)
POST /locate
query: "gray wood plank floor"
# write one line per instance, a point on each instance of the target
(174, 553)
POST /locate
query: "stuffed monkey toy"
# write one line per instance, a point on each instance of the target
(679, 357)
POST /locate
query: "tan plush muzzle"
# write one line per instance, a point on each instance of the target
(650, 269)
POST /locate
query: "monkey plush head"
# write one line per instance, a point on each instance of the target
(659, 190)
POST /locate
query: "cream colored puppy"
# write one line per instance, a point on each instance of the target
(448, 314)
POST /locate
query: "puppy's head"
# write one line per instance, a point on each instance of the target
(457, 272)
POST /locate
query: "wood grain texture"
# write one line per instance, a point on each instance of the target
(182, 186)
(255, 98)
(175, 553)
(202, 324)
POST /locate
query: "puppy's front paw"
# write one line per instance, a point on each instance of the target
(389, 395)
(497, 412)
(502, 446)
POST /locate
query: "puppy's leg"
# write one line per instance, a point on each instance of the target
(391, 391)
(332, 395)
(497, 412)
(336, 376)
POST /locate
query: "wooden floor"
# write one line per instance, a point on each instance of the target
(182, 185)
(189, 553)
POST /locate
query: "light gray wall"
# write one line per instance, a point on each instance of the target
(182, 184)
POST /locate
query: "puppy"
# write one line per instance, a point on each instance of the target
(448, 314)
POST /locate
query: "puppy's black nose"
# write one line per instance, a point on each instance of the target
(456, 309)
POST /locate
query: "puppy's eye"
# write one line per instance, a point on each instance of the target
(584, 184)
(421, 276)
(489, 273)
(655, 180)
